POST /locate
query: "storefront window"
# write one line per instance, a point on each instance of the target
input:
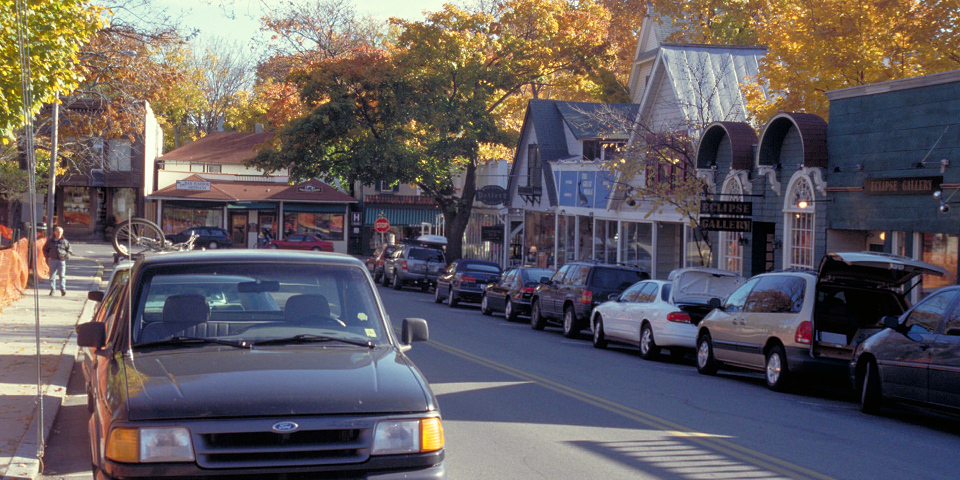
(124, 204)
(940, 249)
(328, 226)
(177, 219)
(669, 249)
(636, 245)
(585, 238)
(539, 233)
(605, 243)
(76, 206)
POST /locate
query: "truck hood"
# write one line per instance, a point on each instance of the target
(873, 269)
(699, 285)
(217, 381)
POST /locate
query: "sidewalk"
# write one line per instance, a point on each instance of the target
(19, 412)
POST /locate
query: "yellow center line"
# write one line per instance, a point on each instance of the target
(710, 441)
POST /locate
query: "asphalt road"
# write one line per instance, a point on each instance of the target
(523, 404)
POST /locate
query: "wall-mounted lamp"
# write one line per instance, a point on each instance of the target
(777, 244)
(944, 202)
(848, 168)
(802, 204)
(743, 241)
(944, 163)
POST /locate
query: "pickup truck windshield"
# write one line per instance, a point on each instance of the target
(255, 303)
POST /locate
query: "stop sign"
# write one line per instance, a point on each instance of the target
(381, 225)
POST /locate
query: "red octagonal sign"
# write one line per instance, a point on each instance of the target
(381, 225)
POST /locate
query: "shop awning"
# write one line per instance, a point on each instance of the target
(398, 216)
(253, 206)
(314, 207)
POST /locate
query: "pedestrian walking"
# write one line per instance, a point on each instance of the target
(57, 252)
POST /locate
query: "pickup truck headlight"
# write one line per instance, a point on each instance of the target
(392, 437)
(150, 444)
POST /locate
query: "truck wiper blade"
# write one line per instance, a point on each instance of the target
(181, 339)
(310, 338)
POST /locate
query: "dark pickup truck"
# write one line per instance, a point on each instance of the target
(258, 364)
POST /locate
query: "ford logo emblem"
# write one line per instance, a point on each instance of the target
(285, 427)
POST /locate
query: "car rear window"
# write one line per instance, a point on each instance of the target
(616, 278)
(426, 255)
(480, 267)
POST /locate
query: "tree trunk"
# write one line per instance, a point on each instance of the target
(456, 214)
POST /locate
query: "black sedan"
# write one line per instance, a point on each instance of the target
(916, 359)
(463, 280)
(207, 237)
(511, 293)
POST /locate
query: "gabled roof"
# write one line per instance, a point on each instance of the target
(220, 147)
(690, 70)
(310, 191)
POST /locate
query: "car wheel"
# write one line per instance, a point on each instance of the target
(648, 347)
(509, 312)
(778, 376)
(385, 281)
(484, 307)
(397, 283)
(598, 338)
(570, 327)
(315, 249)
(213, 245)
(377, 276)
(272, 247)
(436, 295)
(425, 287)
(706, 364)
(870, 396)
(537, 322)
(452, 298)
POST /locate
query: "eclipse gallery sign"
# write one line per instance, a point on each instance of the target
(726, 224)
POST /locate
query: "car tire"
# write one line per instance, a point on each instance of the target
(537, 322)
(570, 327)
(648, 346)
(315, 249)
(509, 312)
(484, 306)
(870, 394)
(706, 363)
(452, 301)
(425, 287)
(377, 276)
(272, 247)
(599, 340)
(397, 284)
(385, 280)
(776, 371)
(213, 245)
(436, 295)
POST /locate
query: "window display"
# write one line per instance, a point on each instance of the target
(327, 226)
(76, 206)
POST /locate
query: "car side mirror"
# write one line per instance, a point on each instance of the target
(545, 280)
(891, 321)
(92, 334)
(714, 303)
(414, 330)
(614, 296)
(96, 296)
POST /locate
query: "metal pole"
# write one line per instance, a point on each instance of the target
(54, 142)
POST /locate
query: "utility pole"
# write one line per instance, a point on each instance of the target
(54, 141)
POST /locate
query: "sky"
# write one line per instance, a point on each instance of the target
(208, 16)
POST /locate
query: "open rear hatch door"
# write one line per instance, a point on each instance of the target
(698, 285)
(874, 269)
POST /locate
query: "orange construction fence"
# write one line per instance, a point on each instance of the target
(15, 269)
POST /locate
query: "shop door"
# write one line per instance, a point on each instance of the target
(266, 227)
(763, 247)
(238, 228)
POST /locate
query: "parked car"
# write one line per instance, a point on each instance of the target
(463, 281)
(258, 364)
(302, 241)
(413, 264)
(570, 295)
(793, 322)
(653, 314)
(207, 237)
(375, 262)
(512, 292)
(109, 303)
(916, 359)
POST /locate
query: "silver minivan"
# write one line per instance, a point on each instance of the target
(791, 322)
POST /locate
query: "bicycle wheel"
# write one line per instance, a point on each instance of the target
(136, 236)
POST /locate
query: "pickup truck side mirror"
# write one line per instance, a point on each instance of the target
(92, 334)
(414, 330)
(891, 321)
(95, 295)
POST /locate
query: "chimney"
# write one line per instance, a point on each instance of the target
(258, 128)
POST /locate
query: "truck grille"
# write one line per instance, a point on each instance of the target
(311, 445)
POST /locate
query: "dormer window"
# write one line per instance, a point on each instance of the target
(601, 150)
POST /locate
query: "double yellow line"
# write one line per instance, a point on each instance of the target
(705, 440)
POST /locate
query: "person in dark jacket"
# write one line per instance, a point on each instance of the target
(57, 251)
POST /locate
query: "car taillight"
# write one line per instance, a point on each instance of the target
(526, 290)
(679, 317)
(804, 333)
(466, 278)
(586, 297)
(403, 264)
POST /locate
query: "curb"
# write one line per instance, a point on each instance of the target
(25, 464)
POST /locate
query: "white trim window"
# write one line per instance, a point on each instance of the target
(731, 251)
(799, 225)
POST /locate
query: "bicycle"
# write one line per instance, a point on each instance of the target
(139, 235)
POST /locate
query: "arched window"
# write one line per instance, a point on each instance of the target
(731, 250)
(799, 224)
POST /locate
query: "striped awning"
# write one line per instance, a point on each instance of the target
(400, 216)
